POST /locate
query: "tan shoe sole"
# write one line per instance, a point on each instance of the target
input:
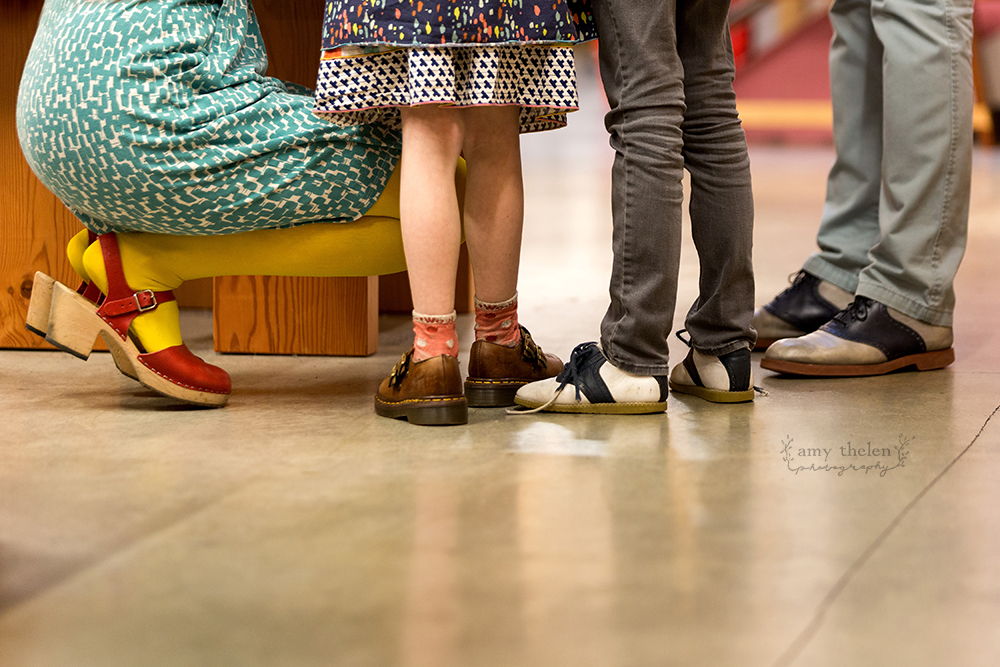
(713, 395)
(37, 320)
(39, 312)
(925, 361)
(597, 408)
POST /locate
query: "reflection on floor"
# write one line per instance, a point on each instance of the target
(295, 527)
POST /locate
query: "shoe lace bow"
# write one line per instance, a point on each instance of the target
(571, 371)
(569, 375)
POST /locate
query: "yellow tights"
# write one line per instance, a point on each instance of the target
(369, 246)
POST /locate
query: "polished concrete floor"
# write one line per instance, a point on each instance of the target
(296, 528)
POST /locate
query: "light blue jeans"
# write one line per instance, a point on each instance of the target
(897, 206)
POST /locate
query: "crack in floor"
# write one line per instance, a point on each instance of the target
(799, 644)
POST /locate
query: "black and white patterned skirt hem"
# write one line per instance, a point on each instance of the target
(368, 85)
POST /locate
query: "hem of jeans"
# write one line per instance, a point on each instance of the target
(906, 305)
(741, 344)
(650, 370)
(824, 270)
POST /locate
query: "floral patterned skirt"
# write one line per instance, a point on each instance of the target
(368, 85)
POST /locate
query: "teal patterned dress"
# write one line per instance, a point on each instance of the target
(156, 116)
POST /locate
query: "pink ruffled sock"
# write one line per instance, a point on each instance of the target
(497, 322)
(434, 335)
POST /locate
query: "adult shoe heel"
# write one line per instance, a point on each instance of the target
(40, 316)
(936, 360)
(40, 306)
(72, 324)
(37, 321)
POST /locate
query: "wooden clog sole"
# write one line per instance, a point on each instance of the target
(74, 327)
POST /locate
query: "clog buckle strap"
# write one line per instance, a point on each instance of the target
(145, 300)
(123, 304)
(135, 303)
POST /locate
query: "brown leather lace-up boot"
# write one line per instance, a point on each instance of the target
(427, 392)
(496, 372)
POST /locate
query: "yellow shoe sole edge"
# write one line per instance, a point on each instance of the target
(713, 395)
(598, 408)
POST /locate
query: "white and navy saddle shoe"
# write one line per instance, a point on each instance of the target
(598, 387)
(724, 379)
(727, 378)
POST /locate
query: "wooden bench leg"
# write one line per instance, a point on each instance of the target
(309, 316)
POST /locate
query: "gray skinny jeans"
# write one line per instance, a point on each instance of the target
(667, 67)
(897, 204)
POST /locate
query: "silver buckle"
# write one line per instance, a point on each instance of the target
(151, 306)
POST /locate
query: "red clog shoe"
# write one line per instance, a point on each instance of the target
(74, 324)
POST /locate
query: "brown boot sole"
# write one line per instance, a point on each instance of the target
(925, 361)
(443, 411)
(492, 393)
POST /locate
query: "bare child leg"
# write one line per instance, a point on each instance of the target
(494, 216)
(503, 358)
(494, 204)
(431, 223)
(426, 387)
